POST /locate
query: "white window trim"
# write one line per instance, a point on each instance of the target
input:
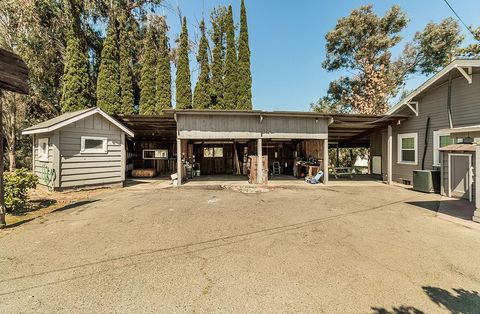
(399, 148)
(103, 150)
(42, 155)
(436, 146)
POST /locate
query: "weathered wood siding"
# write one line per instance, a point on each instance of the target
(465, 112)
(218, 127)
(294, 127)
(79, 169)
(250, 127)
(40, 167)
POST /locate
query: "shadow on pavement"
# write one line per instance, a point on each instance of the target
(461, 301)
(74, 205)
(397, 310)
(430, 205)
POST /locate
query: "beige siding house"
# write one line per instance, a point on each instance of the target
(81, 148)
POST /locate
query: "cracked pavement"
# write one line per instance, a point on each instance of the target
(365, 249)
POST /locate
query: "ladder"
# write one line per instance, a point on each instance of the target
(276, 167)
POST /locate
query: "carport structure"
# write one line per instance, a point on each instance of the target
(193, 134)
(251, 133)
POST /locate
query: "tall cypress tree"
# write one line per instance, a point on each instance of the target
(183, 83)
(147, 74)
(164, 75)
(126, 51)
(244, 72)
(231, 67)
(75, 79)
(201, 96)
(217, 19)
(108, 82)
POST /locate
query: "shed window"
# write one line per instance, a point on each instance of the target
(42, 149)
(407, 148)
(440, 139)
(94, 145)
(209, 152)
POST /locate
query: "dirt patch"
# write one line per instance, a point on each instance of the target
(42, 202)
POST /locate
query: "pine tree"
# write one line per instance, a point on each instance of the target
(244, 72)
(217, 19)
(231, 67)
(108, 82)
(75, 79)
(147, 75)
(183, 83)
(126, 51)
(201, 96)
(164, 75)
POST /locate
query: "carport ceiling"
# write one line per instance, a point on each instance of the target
(157, 126)
(353, 130)
(346, 130)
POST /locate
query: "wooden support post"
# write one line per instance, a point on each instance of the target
(259, 161)
(179, 162)
(325, 161)
(389, 155)
(3, 211)
(476, 213)
(337, 162)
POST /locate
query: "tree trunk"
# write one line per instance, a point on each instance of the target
(10, 130)
(11, 158)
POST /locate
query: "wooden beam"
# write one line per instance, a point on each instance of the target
(325, 161)
(465, 74)
(259, 162)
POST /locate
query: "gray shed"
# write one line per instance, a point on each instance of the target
(77, 149)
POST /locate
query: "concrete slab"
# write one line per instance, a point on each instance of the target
(360, 249)
(457, 210)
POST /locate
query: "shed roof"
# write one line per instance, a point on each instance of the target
(459, 148)
(71, 117)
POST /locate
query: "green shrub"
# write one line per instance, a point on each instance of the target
(17, 184)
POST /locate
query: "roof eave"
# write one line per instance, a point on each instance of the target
(453, 65)
(83, 115)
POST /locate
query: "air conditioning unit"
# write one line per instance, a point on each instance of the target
(427, 181)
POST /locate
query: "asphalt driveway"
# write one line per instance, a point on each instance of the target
(365, 249)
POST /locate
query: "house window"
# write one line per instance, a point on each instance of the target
(209, 152)
(440, 139)
(42, 149)
(407, 148)
(93, 145)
